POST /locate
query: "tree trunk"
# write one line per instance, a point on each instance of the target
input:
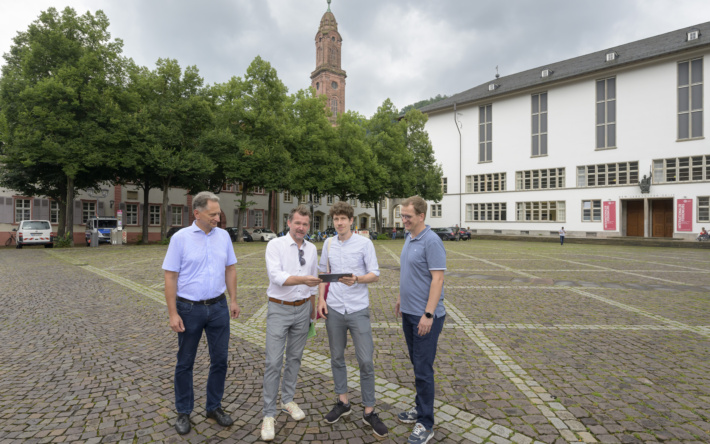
(242, 208)
(378, 223)
(144, 225)
(271, 212)
(164, 210)
(61, 222)
(69, 208)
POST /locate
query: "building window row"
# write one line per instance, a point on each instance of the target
(553, 211)
(484, 183)
(681, 169)
(540, 179)
(608, 174)
(486, 211)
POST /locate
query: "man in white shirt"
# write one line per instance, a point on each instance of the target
(348, 308)
(293, 280)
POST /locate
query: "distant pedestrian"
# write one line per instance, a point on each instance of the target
(199, 267)
(562, 235)
(394, 233)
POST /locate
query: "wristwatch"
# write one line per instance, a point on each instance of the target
(428, 315)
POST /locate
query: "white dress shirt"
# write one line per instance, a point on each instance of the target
(282, 262)
(357, 256)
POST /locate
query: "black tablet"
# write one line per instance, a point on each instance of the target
(333, 277)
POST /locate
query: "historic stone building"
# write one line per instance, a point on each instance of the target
(328, 77)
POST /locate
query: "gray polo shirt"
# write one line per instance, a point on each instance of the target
(420, 256)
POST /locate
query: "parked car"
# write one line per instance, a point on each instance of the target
(464, 234)
(262, 234)
(447, 233)
(103, 225)
(246, 237)
(35, 232)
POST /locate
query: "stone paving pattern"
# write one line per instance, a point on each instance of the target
(543, 343)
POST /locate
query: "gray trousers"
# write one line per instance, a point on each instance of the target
(286, 330)
(358, 323)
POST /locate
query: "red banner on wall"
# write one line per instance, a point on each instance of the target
(609, 216)
(684, 215)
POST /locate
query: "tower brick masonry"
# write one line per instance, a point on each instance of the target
(328, 77)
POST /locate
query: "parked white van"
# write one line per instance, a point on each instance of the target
(35, 232)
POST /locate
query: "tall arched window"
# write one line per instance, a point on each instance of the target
(334, 105)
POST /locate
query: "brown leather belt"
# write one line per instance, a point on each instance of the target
(294, 304)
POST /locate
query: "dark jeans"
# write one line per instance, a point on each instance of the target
(562, 240)
(422, 352)
(214, 320)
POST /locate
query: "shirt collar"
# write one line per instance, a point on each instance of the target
(196, 228)
(419, 236)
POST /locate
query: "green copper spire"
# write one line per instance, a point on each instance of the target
(328, 6)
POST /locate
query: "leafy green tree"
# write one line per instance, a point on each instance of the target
(316, 166)
(248, 142)
(425, 172)
(62, 96)
(174, 115)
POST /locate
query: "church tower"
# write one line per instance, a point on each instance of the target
(328, 78)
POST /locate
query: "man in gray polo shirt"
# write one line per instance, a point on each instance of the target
(348, 308)
(421, 305)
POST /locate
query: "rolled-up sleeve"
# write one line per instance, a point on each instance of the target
(277, 275)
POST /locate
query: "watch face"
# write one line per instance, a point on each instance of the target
(429, 315)
(334, 85)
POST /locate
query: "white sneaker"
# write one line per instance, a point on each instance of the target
(267, 429)
(294, 410)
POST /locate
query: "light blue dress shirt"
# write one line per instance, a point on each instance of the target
(200, 260)
(357, 256)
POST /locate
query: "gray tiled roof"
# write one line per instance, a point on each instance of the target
(630, 53)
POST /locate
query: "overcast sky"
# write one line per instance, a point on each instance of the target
(407, 50)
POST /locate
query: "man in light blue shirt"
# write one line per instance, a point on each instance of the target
(348, 308)
(199, 267)
(421, 304)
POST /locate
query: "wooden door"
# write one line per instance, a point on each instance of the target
(662, 214)
(634, 218)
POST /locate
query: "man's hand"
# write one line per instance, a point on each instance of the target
(348, 280)
(234, 310)
(397, 312)
(424, 326)
(311, 281)
(176, 324)
(322, 308)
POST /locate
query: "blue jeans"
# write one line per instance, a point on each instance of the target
(214, 320)
(422, 352)
(562, 240)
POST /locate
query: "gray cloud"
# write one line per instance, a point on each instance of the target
(406, 51)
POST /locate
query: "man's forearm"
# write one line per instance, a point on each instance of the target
(231, 281)
(368, 278)
(437, 283)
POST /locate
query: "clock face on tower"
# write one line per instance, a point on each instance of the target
(334, 85)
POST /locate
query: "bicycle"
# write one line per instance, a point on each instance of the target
(11, 239)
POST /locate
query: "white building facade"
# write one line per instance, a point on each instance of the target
(568, 144)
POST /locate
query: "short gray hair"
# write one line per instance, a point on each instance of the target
(199, 202)
(302, 210)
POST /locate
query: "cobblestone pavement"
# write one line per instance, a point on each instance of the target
(543, 343)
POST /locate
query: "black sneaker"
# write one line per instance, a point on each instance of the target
(377, 425)
(339, 410)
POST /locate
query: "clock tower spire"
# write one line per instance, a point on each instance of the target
(328, 77)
